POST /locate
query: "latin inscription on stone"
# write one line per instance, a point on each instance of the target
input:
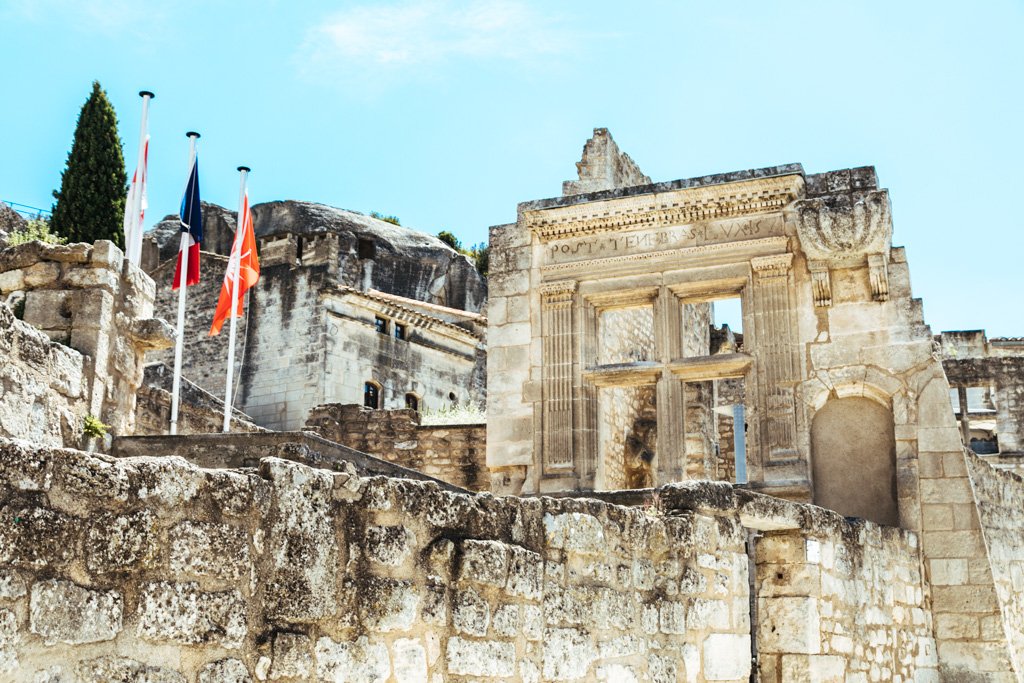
(662, 239)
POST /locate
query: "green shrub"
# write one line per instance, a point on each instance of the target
(37, 229)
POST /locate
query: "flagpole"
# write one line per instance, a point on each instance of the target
(234, 280)
(133, 242)
(183, 249)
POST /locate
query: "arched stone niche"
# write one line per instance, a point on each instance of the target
(853, 458)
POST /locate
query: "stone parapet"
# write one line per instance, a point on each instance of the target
(452, 453)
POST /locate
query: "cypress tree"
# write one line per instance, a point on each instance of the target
(90, 203)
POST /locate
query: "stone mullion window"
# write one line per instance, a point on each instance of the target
(670, 402)
(557, 318)
(776, 365)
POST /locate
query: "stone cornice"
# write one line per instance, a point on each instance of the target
(664, 209)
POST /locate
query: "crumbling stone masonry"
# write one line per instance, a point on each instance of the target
(150, 568)
(452, 453)
(88, 298)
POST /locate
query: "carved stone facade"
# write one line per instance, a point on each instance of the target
(834, 350)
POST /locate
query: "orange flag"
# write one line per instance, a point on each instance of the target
(243, 261)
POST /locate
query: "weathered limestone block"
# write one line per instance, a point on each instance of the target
(113, 669)
(12, 586)
(480, 657)
(789, 625)
(484, 562)
(38, 538)
(225, 671)
(8, 641)
(568, 654)
(292, 656)
(357, 661)
(409, 658)
(119, 542)
(171, 482)
(387, 605)
(61, 611)
(726, 657)
(574, 531)
(389, 545)
(181, 613)
(525, 573)
(471, 613)
(301, 527)
(209, 549)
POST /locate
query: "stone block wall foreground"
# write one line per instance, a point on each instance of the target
(152, 569)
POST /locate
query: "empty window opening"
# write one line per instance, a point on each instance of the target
(453, 398)
(412, 402)
(714, 430)
(366, 248)
(712, 327)
(627, 437)
(381, 325)
(299, 245)
(626, 335)
(371, 395)
(399, 331)
(978, 423)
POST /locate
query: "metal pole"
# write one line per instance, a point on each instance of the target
(133, 241)
(182, 286)
(234, 277)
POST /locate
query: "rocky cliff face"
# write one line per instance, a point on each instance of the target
(403, 262)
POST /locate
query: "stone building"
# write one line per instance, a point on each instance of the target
(348, 309)
(986, 378)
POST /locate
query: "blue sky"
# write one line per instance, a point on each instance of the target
(447, 114)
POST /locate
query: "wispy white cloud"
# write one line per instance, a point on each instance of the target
(107, 17)
(376, 42)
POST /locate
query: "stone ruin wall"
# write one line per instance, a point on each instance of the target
(152, 569)
(1000, 499)
(91, 299)
(452, 453)
(43, 392)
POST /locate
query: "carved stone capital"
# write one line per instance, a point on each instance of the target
(776, 265)
(821, 283)
(557, 293)
(840, 229)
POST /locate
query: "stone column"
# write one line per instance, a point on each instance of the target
(557, 330)
(585, 440)
(777, 366)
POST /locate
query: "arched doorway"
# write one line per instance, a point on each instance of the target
(853, 458)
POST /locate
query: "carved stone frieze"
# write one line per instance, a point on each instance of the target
(660, 210)
(845, 230)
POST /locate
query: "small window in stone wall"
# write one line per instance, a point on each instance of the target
(399, 331)
(381, 325)
(412, 402)
(366, 249)
(452, 397)
(371, 396)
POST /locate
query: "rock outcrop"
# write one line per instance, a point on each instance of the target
(403, 261)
